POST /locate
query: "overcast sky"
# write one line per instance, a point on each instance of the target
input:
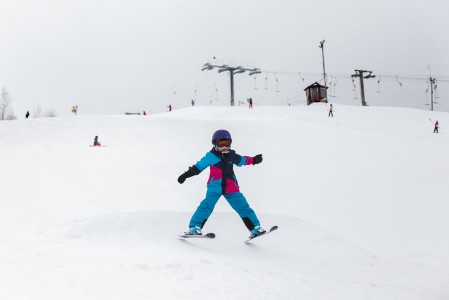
(111, 57)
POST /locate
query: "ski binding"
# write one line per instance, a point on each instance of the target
(267, 232)
(209, 235)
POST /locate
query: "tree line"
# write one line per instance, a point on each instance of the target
(7, 113)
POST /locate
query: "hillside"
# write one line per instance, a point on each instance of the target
(360, 200)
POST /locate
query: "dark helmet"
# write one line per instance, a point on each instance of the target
(221, 135)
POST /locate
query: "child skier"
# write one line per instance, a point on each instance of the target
(222, 181)
(96, 142)
(435, 130)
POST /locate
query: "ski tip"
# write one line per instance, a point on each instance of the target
(275, 227)
(211, 235)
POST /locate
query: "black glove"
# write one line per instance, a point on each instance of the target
(192, 171)
(257, 159)
(182, 178)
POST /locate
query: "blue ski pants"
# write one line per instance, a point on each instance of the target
(236, 200)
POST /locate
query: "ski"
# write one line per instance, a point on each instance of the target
(209, 235)
(271, 230)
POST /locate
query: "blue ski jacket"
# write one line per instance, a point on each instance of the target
(222, 178)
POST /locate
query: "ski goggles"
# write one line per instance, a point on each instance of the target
(223, 143)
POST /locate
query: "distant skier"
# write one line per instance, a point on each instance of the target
(169, 107)
(435, 130)
(27, 115)
(250, 100)
(144, 113)
(193, 102)
(331, 111)
(75, 109)
(96, 142)
(222, 181)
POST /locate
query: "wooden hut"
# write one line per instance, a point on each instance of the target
(316, 93)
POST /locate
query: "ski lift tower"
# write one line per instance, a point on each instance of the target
(232, 71)
(324, 68)
(359, 73)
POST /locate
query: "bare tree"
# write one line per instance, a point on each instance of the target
(37, 113)
(5, 105)
(51, 113)
(11, 116)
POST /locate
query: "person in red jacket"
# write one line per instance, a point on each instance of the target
(96, 142)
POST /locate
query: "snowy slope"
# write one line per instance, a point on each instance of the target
(360, 200)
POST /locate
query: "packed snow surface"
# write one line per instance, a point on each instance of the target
(361, 201)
